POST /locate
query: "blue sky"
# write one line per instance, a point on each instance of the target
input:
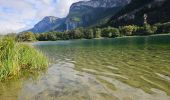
(18, 15)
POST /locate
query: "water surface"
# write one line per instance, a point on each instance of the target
(133, 68)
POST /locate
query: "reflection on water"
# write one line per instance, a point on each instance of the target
(135, 68)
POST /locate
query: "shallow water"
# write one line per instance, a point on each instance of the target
(133, 68)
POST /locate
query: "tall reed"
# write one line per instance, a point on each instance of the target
(16, 57)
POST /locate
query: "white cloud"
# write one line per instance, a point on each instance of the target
(47, 1)
(63, 6)
(16, 15)
(6, 27)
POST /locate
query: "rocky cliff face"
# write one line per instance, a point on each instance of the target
(47, 24)
(101, 3)
(93, 12)
(82, 14)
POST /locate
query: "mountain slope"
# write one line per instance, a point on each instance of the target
(156, 10)
(81, 14)
(93, 12)
(47, 24)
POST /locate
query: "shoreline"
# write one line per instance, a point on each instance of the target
(168, 34)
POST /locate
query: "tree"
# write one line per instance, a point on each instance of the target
(59, 35)
(128, 30)
(163, 28)
(97, 32)
(110, 32)
(106, 33)
(148, 29)
(42, 37)
(51, 36)
(65, 36)
(88, 33)
(115, 32)
(78, 34)
(71, 34)
(26, 36)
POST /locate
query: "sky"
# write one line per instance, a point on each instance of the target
(19, 15)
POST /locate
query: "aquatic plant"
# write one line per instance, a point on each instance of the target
(16, 57)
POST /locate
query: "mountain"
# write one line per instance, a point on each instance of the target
(156, 10)
(47, 24)
(93, 12)
(81, 14)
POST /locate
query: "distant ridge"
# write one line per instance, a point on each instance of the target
(81, 14)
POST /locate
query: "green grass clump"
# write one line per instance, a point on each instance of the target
(16, 57)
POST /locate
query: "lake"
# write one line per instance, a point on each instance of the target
(128, 68)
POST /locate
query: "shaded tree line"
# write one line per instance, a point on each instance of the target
(90, 33)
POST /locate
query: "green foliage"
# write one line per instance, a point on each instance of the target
(146, 30)
(65, 36)
(88, 33)
(106, 32)
(16, 57)
(128, 30)
(13, 35)
(115, 32)
(52, 36)
(110, 32)
(97, 32)
(76, 34)
(42, 37)
(26, 36)
(163, 28)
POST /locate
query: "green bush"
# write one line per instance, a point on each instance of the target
(128, 30)
(26, 36)
(110, 32)
(65, 36)
(88, 33)
(78, 34)
(43, 37)
(106, 33)
(51, 36)
(146, 30)
(163, 28)
(97, 32)
(115, 32)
